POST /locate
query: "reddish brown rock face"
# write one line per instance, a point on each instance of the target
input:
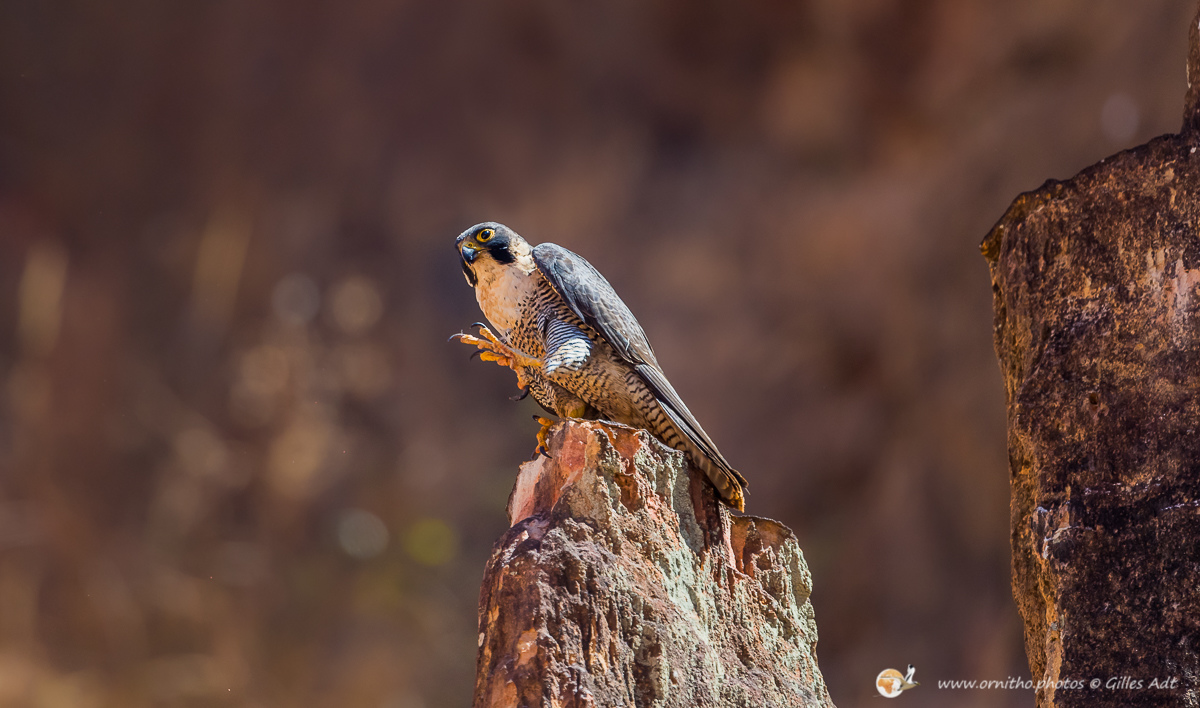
(1097, 301)
(623, 582)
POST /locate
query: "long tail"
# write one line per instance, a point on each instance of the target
(686, 434)
(729, 482)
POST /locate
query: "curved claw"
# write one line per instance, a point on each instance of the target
(520, 396)
(480, 325)
(474, 354)
(456, 335)
(543, 446)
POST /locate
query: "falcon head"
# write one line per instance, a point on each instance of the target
(489, 247)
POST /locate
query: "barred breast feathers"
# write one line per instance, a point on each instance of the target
(502, 290)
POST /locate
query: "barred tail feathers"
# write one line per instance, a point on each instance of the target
(691, 438)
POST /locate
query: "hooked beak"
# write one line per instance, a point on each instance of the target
(469, 253)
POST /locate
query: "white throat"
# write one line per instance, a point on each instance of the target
(501, 288)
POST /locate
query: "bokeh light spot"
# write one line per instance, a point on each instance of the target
(296, 299)
(361, 534)
(364, 369)
(263, 374)
(356, 305)
(431, 541)
(201, 452)
(297, 455)
(264, 369)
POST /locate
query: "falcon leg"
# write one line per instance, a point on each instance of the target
(492, 349)
(568, 411)
(543, 444)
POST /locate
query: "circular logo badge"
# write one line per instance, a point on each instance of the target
(890, 683)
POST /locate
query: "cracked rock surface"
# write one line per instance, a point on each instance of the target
(1097, 307)
(622, 583)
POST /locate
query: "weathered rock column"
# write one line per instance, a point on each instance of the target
(623, 583)
(1097, 298)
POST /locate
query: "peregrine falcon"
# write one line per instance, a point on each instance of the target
(576, 346)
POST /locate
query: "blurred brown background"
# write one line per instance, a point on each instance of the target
(239, 462)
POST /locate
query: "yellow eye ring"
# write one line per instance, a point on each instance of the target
(485, 235)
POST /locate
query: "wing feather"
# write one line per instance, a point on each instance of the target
(594, 301)
(684, 420)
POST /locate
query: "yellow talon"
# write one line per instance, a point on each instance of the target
(543, 447)
(491, 348)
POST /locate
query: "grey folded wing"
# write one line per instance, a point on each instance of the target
(597, 305)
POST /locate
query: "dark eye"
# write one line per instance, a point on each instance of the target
(485, 235)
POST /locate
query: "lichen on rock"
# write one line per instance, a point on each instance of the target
(622, 582)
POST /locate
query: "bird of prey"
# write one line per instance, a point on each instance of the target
(576, 346)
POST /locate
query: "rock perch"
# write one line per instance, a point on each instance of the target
(622, 582)
(1097, 328)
